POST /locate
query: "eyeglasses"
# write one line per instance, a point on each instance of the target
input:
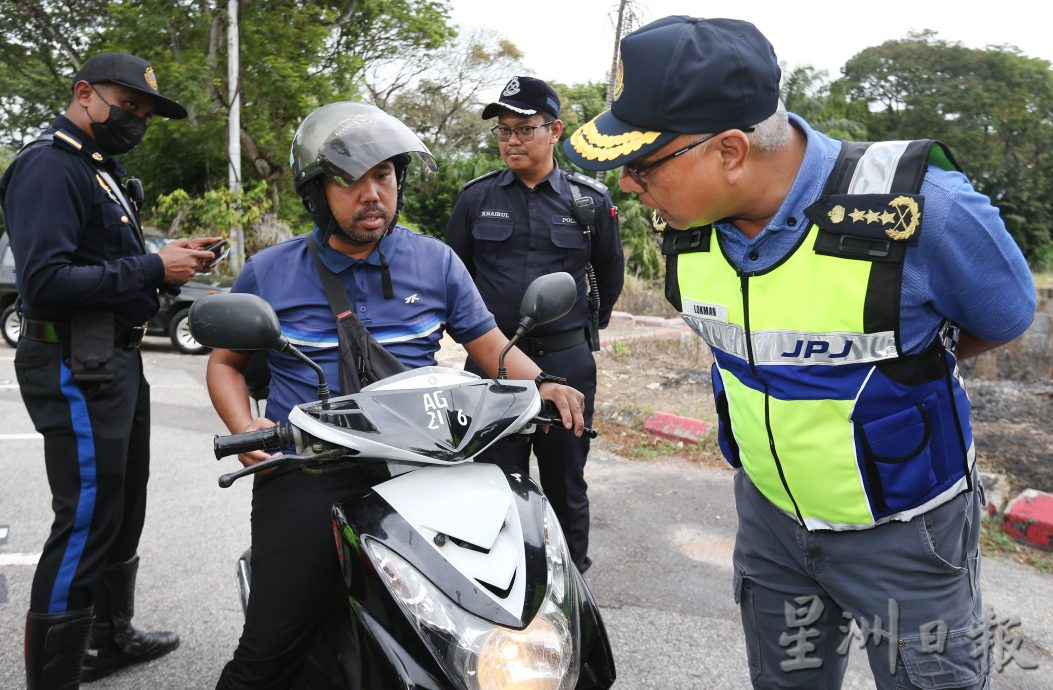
(524, 133)
(637, 171)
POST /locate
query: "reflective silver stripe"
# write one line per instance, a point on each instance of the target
(726, 337)
(795, 347)
(874, 172)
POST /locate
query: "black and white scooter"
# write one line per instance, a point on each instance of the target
(457, 575)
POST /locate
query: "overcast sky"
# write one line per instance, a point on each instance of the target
(571, 40)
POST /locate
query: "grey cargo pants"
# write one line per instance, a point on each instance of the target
(797, 589)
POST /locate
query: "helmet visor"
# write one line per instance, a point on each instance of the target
(346, 140)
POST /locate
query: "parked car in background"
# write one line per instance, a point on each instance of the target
(9, 321)
(170, 320)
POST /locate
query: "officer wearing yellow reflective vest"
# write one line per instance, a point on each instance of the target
(837, 284)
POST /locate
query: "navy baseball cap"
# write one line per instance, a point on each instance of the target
(132, 72)
(680, 75)
(524, 96)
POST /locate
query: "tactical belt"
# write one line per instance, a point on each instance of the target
(540, 345)
(52, 332)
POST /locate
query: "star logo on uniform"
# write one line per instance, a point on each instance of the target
(413, 298)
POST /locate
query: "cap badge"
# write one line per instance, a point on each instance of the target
(619, 80)
(150, 78)
(593, 145)
(512, 87)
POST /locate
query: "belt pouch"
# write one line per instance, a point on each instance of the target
(91, 336)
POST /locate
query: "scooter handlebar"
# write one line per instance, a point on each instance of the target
(549, 415)
(271, 438)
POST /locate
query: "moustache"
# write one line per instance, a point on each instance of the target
(371, 209)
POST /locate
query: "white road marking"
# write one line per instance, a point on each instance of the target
(19, 558)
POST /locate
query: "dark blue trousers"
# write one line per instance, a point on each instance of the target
(97, 454)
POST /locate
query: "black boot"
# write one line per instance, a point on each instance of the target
(54, 649)
(114, 642)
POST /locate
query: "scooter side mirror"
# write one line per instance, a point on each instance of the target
(547, 298)
(235, 321)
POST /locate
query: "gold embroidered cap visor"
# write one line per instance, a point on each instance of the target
(606, 142)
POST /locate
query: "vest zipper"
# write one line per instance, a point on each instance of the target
(745, 280)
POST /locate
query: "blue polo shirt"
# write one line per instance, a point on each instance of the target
(965, 267)
(433, 293)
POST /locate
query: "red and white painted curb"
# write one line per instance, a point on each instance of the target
(677, 428)
(1029, 518)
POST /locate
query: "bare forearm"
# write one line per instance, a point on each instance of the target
(970, 346)
(227, 389)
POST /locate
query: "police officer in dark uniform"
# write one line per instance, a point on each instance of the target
(511, 226)
(87, 287)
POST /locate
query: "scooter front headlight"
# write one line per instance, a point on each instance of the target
(479, 655)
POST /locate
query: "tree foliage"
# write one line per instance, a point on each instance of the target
(993, 107)
(295, 55)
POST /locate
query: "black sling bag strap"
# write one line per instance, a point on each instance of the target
(584, 212)
(362, 359)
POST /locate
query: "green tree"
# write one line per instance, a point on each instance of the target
(439, 93)
(993, 107)
(807, 92)
(295, 56)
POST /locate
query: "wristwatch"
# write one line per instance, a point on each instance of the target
(548, 378)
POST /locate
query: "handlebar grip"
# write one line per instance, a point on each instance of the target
(550, 412)
(271, 438)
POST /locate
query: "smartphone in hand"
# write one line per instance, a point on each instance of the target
(220, 249)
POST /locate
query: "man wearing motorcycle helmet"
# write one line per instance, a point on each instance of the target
(349, 163)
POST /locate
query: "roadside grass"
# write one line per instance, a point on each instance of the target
(995, 542)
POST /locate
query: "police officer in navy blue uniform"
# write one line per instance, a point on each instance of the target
(87, 287)
(511, 226)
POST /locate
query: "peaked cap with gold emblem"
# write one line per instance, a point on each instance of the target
(132, 72)
(680, 75)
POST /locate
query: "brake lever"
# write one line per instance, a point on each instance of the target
(558, 421)
(278, 460)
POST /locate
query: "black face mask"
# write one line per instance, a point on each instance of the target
(121, 131)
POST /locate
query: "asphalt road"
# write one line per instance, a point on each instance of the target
(661, 542)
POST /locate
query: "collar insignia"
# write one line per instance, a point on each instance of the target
(657, 222)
